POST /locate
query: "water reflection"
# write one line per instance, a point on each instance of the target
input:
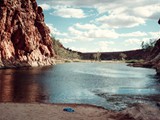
(109, 85)
(21, 86)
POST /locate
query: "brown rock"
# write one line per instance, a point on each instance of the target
(155, 57)
(24, 37)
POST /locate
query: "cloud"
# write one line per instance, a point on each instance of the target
(101, 33)
(117, 14)
(134, 41)
(134, 34)
(85, 26)
(92, 31)
(80, 49)
(121, 20)
(155, 35)
(149, 11)
(112, 20)
(106, 46)
(95, 31)
(105, 43)
(116, 6)
(74, 31)
(54, 32)
(66, 40)
(69, 12)
(45, 6)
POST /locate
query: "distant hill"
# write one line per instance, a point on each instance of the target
(130, 55)
(66, 53)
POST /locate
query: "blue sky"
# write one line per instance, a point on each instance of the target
(109, 25)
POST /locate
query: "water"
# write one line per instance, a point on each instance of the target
(111, 85)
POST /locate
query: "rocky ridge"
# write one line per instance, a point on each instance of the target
(153, 59)
(24, 37)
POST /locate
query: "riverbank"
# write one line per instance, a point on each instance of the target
(19, 111)
(87, 61)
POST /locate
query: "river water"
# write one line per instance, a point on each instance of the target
(110, 85)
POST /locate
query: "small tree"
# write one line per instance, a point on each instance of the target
(148, 45)
(97, 56)
(123, 56)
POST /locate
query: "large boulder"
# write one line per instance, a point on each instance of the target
(24, 37)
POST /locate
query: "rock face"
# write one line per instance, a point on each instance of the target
(24, 37)
(155, 57)
(153, 60)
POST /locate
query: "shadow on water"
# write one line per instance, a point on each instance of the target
(20, 85)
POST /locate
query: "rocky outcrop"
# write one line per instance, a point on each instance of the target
(153, 59)
(24, 37)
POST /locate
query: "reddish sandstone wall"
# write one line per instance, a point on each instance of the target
(24, 37)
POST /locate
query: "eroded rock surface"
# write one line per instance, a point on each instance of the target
(155, 57)
(24, 37)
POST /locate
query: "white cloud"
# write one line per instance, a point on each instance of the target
(85, 26)
(45, 6)
(117, 6)
(134, 34)
(121, 20)
(155, 35)
(92, 31)
(134, 41)
(80, 49)
(101, 33)
(54, 32)
(74, 31)
(69, 12)
(106, 46)
(66, 40)
(148, 11)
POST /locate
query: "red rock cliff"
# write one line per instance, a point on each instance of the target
(24, 37)
(155, 57)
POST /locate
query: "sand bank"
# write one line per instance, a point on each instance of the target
(21, 111)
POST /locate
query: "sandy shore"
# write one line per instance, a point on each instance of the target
(21, 111)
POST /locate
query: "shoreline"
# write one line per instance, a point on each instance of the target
(40, 111)
(87, 61)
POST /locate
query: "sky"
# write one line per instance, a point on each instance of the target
(102, 25)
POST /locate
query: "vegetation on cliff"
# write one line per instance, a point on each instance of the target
(64, 53)
(148, 46)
